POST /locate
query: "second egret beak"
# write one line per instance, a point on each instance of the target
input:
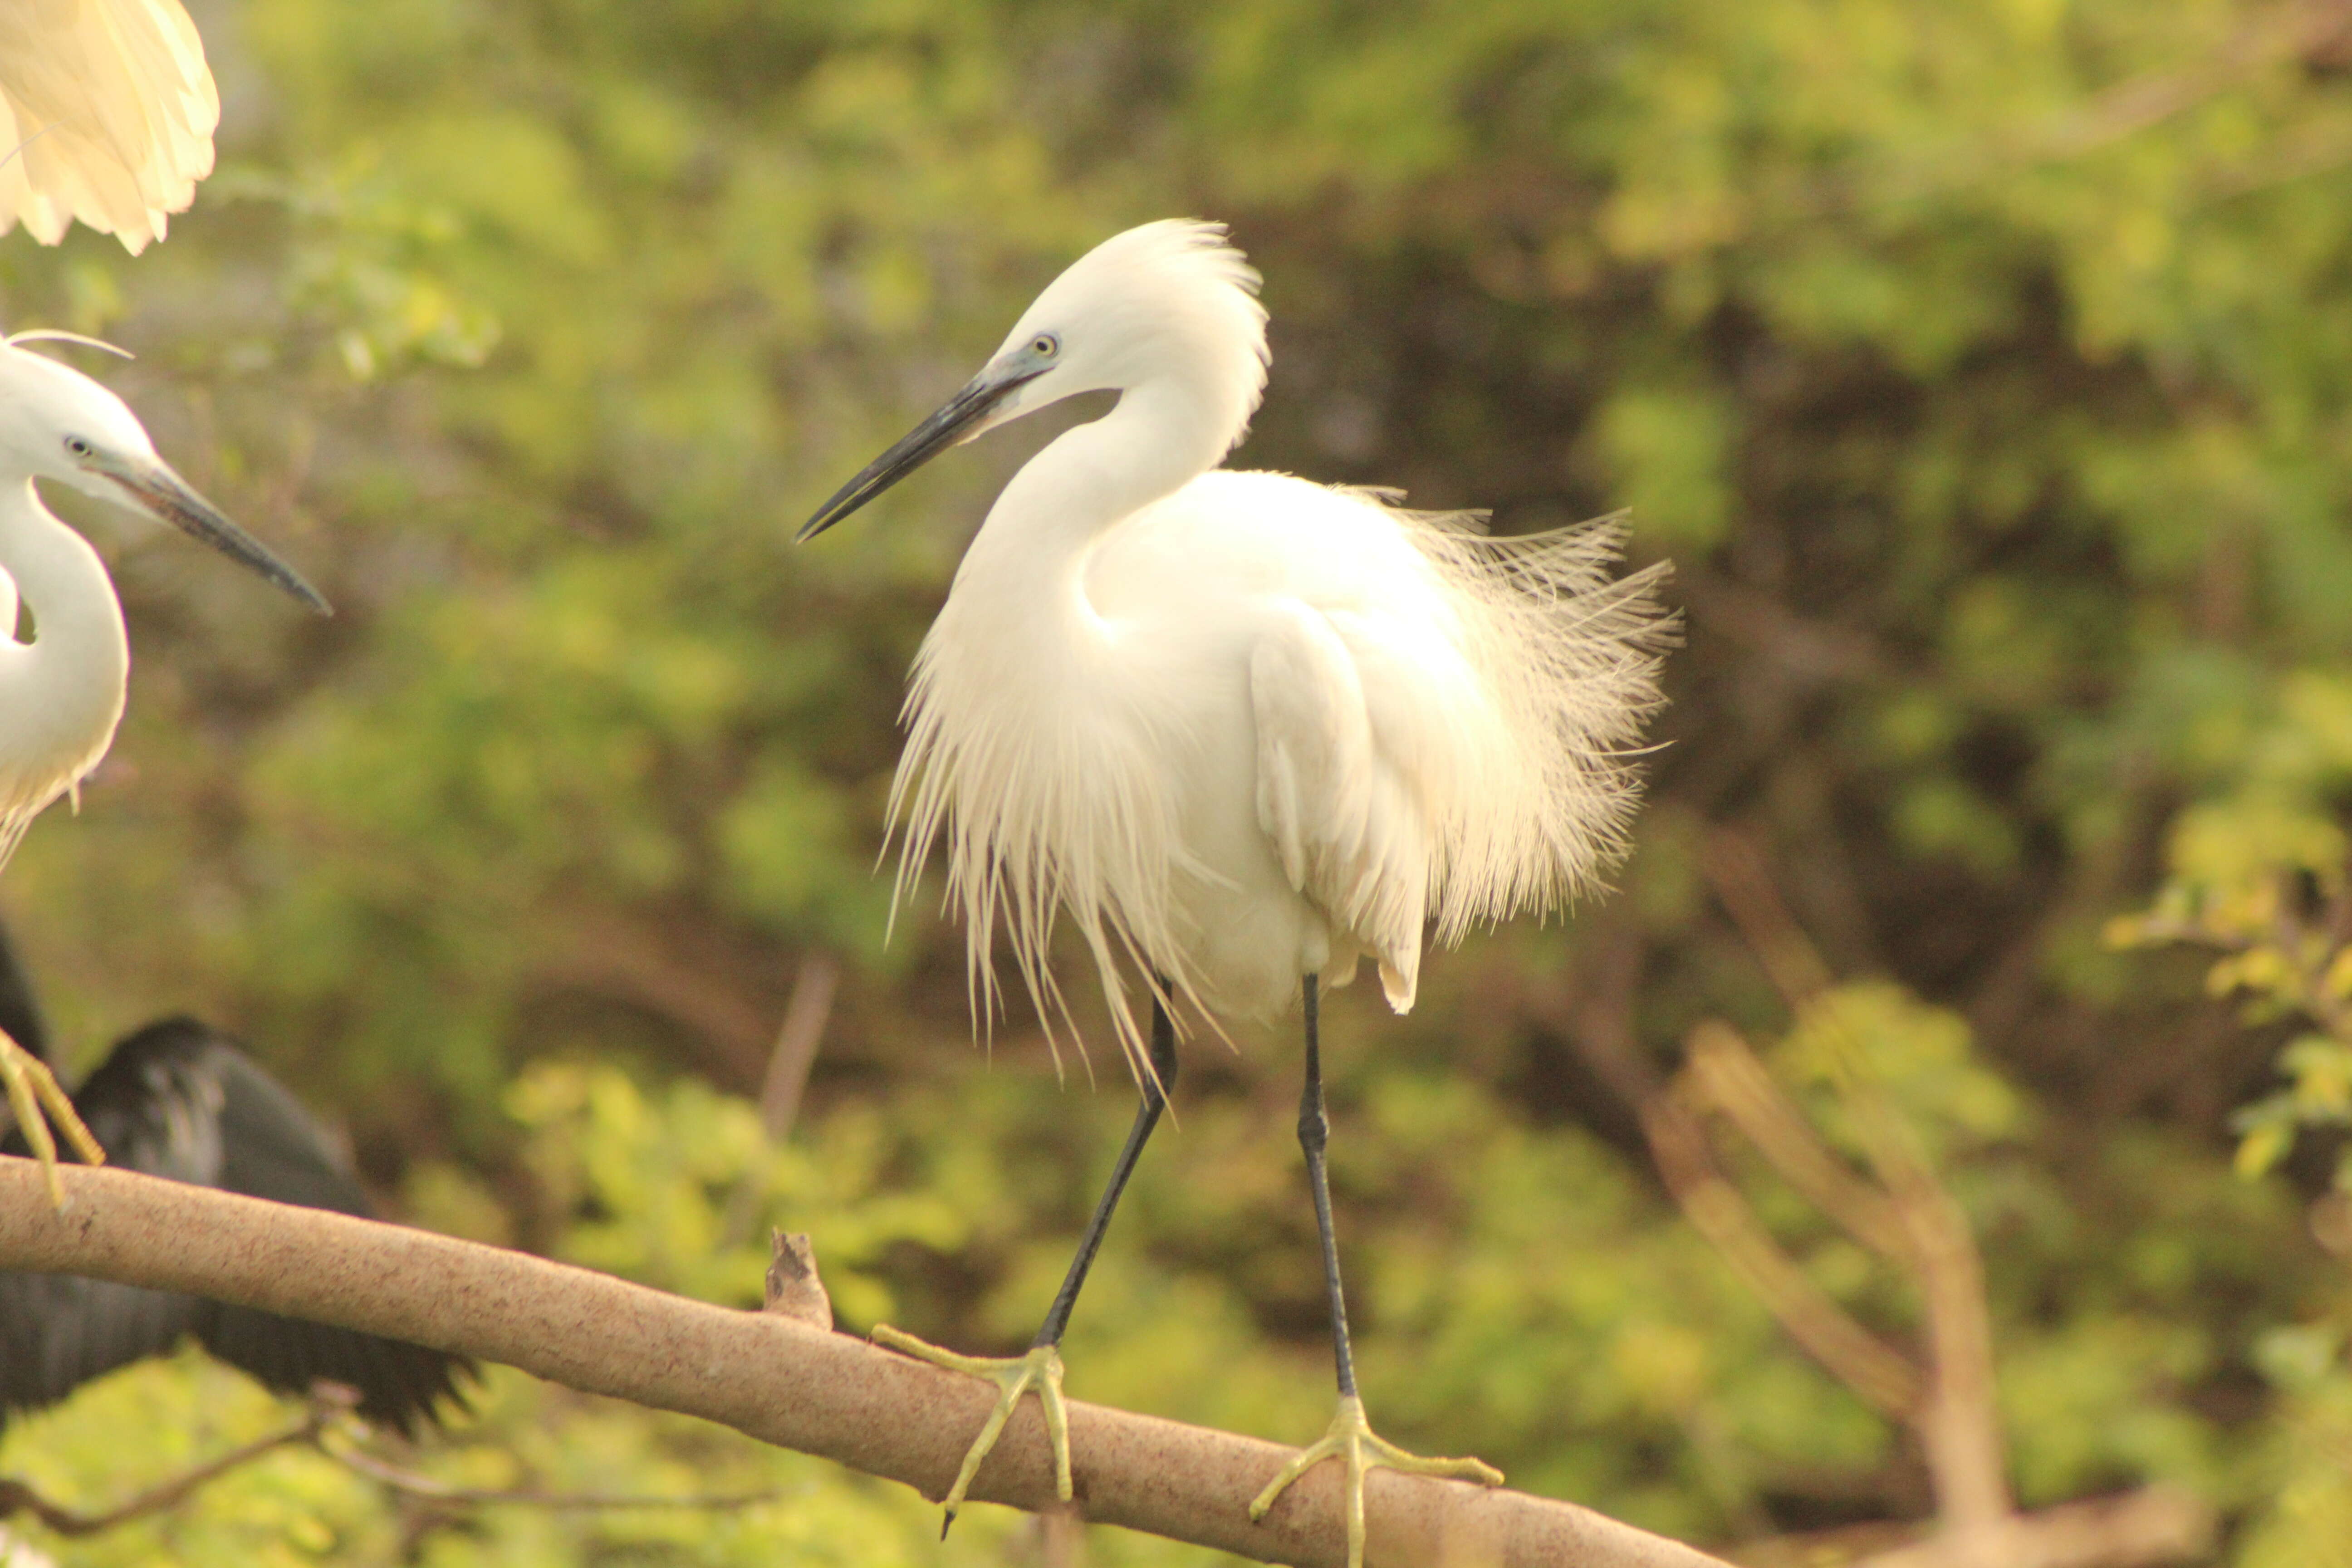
(956, 420)
(150, 485)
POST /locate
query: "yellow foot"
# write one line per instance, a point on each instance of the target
(1040, 1370)
(33, 1089)
(1351, 1439)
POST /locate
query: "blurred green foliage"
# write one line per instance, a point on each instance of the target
(1987, 369)
(2259, 873)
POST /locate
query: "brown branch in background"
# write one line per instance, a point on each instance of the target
(1724, 1076)
(789, 1061)
(629, 960)
(1959, 1422)
(425, 1488)
(1601, 1030)
(1905, 1216)
(1882, 1377)
(2155, 1524)
(805, 1016)
(2307, 31)
(2131, 1530)
(1957, 1419)
(1743, 881)
(1960, 1425)
(18, 1496)
(1060, 1540)
(331, 1404)
(768, 1375)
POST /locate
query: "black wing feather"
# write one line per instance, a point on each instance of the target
(178, 1099)
(59, 1330)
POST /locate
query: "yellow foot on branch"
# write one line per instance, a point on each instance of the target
(1040, 1371)
(1351, 1439)
(33, 1089)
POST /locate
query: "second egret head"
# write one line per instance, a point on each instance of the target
(57, 424)
(1170, 298)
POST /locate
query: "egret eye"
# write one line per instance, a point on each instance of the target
(1045, 345)
(78, 447)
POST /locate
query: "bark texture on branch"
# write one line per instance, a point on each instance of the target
(769, 1375)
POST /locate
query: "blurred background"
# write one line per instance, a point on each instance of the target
(1986, 371)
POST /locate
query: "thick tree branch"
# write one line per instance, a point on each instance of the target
(766, 1374)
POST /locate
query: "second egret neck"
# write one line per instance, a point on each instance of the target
(60, 694)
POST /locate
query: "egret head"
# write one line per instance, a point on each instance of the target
(57, 424)
(1170, 299)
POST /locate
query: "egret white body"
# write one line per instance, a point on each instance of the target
(110, 110)
(61, 694)
(1242, 729)
(1242, 726)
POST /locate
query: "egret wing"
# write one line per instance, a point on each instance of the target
(109, 109)
(58, 1332)
(1334, 794)
(177, 1100)
(272, 1148)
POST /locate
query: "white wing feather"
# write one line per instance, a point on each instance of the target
(108, 109)
(1334, 792)
(1443, 729)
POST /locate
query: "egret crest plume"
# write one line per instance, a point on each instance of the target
(59, 335)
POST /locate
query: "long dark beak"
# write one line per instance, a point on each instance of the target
(153, 487)
(920, 445)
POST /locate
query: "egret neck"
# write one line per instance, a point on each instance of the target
(1164, 433)
(61, 694)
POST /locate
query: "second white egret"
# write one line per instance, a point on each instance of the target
(61, 693)
(1242, 729)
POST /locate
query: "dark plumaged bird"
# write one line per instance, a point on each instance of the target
(179, 1099)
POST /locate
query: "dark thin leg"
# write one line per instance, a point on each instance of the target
(1349, 1439)
(1039, 1371)
(1314, 1132)
(1147, 1117)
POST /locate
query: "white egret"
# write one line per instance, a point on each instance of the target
(110, 109)
(61, 693)
(1242, 729)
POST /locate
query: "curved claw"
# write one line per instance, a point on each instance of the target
(33, 1089)
(1039, 1372)
(1350, 1437)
